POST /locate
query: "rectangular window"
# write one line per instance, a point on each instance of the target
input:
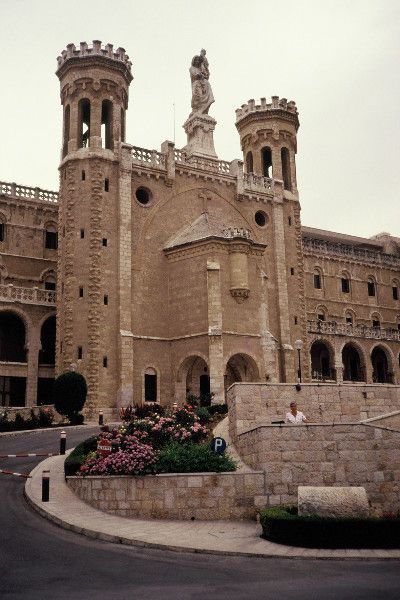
(291, 271)
(81, 292)
(376, 323)
(80, 352)
(1, 232)
(150, 388)
(295, 320)
(82, 234)
(105, 300)
(317, 281)
(371, 288)
(395, 291)
(345, 285)
(83, 175)
(290, 221)
(51, 240)
(106, 185)
(105, 362)
(104, 242)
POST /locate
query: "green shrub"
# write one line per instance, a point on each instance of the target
(19, 422)
(5, 424)
(46, 417)
(218, 409)
(203, 415)
(191, 458)
(147, 410)
(70, 391)
(283, 525)
(77, 457)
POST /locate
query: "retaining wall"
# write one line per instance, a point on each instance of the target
(202, 496)
(251, 404)
(350, 454)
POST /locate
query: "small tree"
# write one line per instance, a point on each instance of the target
(70, 391)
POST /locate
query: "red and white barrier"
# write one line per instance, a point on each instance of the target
(26, 455)
(7, 472)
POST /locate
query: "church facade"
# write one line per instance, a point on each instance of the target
(158, 273)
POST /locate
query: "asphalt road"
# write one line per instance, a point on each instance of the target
(40, 561)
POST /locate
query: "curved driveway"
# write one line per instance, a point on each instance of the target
(40, 561)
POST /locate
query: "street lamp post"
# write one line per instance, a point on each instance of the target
(298, 345)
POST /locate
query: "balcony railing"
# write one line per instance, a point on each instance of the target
(349, 330)
(28, 193)
(373, 257)
(12, 293)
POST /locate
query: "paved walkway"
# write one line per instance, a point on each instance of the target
(218, 537)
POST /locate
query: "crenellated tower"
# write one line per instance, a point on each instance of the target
(268, 136)
(94, 200)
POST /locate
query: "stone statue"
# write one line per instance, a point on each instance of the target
(202, 96)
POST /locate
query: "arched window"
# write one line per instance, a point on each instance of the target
(107, 124)
(285, 159)
(83, 133)
(349, 317)
(321, 313)
(12, 338)
(266, 161)
(345, 283)
(371, 287)
(122, 124)
(47, 355)
(376, 320)
(51, 236)
(67, 120)
(321, 362)
(2, 228)
(317, 278)
(50, 282)
(352, 367)
(395, 289)
(380, 366)
(249, 162)
(150, 385)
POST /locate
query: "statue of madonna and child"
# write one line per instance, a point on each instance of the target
(202, 96)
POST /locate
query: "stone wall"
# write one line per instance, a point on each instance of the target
(203, 496)
(325, 455)
(253, 403)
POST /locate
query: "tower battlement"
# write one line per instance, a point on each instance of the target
(277, 104)
(95, 51)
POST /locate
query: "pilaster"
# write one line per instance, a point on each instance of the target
(215, 342)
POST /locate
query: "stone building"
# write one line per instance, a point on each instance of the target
(178, 271)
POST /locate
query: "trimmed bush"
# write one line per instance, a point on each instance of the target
(218, 409)
(191, 458)
(283, 525)
(203, 415)
(148, 410)
(70, 392)
(77, 457)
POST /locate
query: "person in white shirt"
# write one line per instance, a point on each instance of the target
(295, 416)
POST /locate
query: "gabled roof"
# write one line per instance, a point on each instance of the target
(204, 227)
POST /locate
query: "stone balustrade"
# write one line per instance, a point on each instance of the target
(152, 158)
(323, 247)
(257, 182)
(28, 193)
(12, 293)
(350, 330)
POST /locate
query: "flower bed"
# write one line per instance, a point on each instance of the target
(283, 525)
(12, 420)
(158, 443)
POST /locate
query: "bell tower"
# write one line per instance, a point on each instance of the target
(94, 190)
(268, 136)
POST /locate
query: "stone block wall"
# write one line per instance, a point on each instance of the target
(202, 496)
(337, 454)
(253, 403)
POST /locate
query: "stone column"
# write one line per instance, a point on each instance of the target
(288, 366)
(33, 362)
(215, 345)
(125, 391)
(95, 125)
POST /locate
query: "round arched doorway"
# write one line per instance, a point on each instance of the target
(193, 379)
(321, 361)
(352, 367)
(241, 367)
(380, 366)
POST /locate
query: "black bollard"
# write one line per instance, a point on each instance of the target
(101, 418)
(45, 486)
(63, 442)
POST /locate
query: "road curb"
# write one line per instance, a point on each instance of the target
(57, 428)
(281, 551)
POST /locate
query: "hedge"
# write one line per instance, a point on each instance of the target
(283, 525)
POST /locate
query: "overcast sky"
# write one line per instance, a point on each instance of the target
(339, 60)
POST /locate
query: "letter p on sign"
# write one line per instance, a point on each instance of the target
(218, 444)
